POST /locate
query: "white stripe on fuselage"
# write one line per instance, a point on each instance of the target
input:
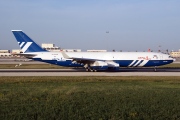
(137, 63)
(144, 62)
(132, 63)
(140, 64)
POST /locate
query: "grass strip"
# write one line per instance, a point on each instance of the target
(90, 98)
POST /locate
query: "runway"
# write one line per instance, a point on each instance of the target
(82, 72)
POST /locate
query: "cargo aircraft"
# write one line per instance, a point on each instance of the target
(91, 61)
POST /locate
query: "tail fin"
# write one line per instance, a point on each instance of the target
(26, 43)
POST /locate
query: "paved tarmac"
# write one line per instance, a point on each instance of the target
(81, 72)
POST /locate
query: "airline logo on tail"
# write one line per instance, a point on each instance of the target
(24, 45)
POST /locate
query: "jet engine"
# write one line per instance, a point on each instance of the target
(102, 65)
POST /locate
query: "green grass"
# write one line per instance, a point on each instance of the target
(96, 98)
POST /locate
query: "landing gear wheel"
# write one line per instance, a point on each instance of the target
(155, 69)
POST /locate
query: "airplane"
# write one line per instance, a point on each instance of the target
(91, 61)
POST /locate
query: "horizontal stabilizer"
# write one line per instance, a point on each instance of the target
(25, 55)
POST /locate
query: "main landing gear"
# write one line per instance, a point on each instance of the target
(91, 70)
(155, 68)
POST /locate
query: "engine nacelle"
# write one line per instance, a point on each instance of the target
(112, 64)
(104, 65)
(99, 65)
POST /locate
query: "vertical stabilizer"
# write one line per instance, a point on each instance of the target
(26, 44)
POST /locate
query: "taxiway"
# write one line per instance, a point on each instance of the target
(81, 72)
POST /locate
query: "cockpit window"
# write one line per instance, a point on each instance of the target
(170, 57)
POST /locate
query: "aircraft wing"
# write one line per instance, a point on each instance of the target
(80, 60)
(88, 62)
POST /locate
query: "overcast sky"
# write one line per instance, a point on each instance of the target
(126, 25)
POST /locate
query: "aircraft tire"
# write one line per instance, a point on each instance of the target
(155, 69)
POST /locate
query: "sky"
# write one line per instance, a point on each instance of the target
(126, 25)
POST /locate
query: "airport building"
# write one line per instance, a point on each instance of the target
(71, 50)
(9, 54)
(52, 47)
(96, 50)
(175, 54)
(16, 51)
(48, 45)
(5, 53)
